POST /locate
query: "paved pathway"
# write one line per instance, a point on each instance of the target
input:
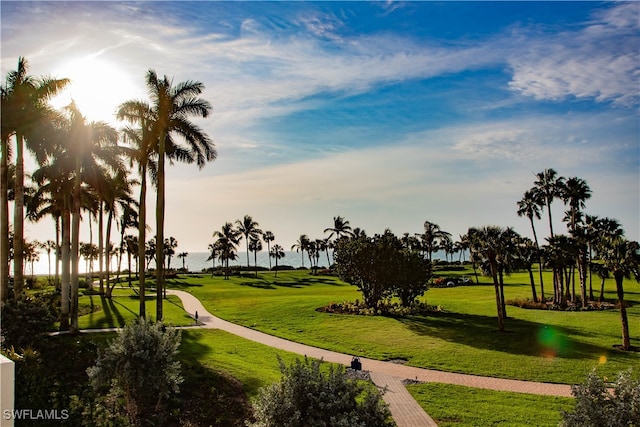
(405, 410)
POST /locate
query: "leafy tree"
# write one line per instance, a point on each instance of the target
(597, 405)
(380, 266)
(307, 395)
(139, 367)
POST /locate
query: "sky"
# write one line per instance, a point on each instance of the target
(385, 113)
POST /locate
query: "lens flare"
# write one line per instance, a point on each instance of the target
(552, 342)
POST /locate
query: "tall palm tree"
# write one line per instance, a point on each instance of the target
(172, 106)
(622, 259)
(487, 242)
(24, 108)
(548, 185)
(91, 145)
(301, 245)
(432, 236)
(213, 254)
(249, 229)
(183, 256)
(255, 246)
(268, 237)
(141, 142)
(49, 246)
(227, 239)
(529, 206)
(276, 252)
(575, 192)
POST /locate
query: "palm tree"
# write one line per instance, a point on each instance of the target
(183, 256)
(268, 237)
(140, 152)
(90, 145)
(622, 259)
(171, 108)
(529, 206)
(547, 186)
(227, 239)
(340, 228)
(277, 253)
(249, 229)
(432, 236)
(255, 245)
(301, 245)
(213, 254)
(24, 108)
(131, 247)
(49, 246)
(488, 242)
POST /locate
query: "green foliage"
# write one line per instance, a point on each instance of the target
(596, 405)
(25, 320)
(380, 267)
(307, 396)
(138, 370)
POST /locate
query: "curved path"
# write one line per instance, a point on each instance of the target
(405, 410)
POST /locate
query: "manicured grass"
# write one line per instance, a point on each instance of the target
(123, 307)
(458, 406)
(539, 345)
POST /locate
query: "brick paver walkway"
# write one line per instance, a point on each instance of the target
(405, 410)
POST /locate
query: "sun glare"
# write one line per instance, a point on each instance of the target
(97, 86)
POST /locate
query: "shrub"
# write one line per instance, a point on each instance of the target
(138, 370)
(307, 396)
(596, 405)
(25, 320)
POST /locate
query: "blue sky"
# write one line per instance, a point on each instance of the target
(386, 113)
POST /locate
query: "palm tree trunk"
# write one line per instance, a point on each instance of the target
(550, 221)
(4, 221)
(496, 284)
(142, 224)
(533, 284)
(101, 247)
(107, 249)
(535, 239)
(75, 252)
(160, 228)
(18, 220)
(66, 265)
(626, 343)
(57, 249)
(601, 299)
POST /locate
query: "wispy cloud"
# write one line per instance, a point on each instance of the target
(597, 61)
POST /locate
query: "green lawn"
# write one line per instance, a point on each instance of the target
(123, 307)
(458, 406)
(539, 345)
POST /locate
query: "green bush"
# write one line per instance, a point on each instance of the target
(136, 372)
(307, 396)
(25, 320)
(596, 405)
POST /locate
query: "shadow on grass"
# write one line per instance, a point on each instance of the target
(295, 283)
(520, 338)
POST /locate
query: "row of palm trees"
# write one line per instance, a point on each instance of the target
(89, 166)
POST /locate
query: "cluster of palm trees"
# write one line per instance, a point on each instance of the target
(88, 166)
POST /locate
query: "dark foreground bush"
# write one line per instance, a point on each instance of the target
(25, 320)
(307, 396)
(596, 405)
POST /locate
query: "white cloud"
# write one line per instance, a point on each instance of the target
(599, 61)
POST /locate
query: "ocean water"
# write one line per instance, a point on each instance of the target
(194, 262)
(197, 261)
